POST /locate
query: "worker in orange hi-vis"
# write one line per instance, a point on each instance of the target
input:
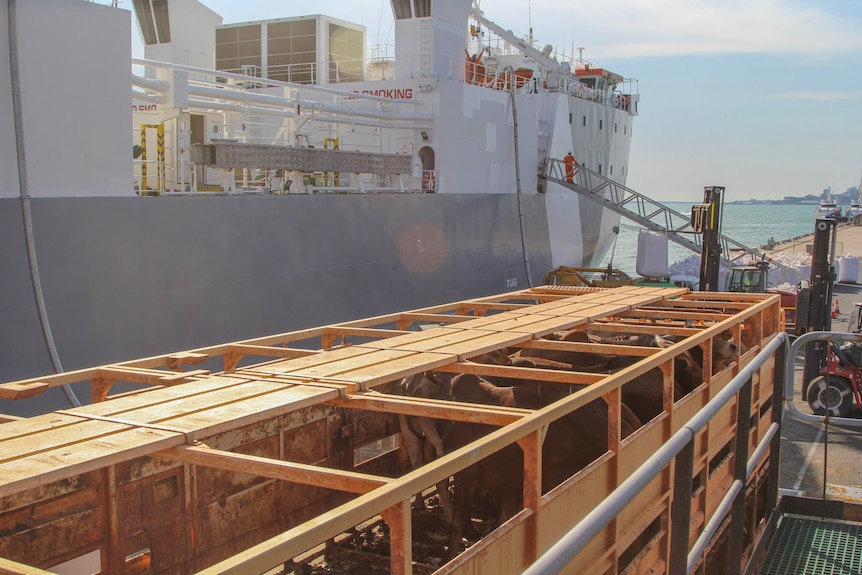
(570, 162)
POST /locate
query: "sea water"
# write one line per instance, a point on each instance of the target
(751, 225)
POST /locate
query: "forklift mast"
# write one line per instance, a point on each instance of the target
(706, 219)
(819, 302)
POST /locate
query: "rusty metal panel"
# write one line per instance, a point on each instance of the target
(44, 529)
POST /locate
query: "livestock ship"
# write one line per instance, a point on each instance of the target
(278, 178)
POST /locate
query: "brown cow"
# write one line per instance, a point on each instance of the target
(571, 444)
(421, 435)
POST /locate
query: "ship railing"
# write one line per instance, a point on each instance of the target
(149, 177)
(646, 212)
(429, 181)
(678, 454)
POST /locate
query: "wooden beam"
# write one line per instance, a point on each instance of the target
(341, 331)
(338, 479)
(8, 567)
(657, 329)
(146, 376)
(408, 319)
(702, 305)
(555, 375)
(601, 348)
(22, 390)
(434, 408)
(400, 525)
(233, 354)
(268, 351)
(669, 314)
(185, 358)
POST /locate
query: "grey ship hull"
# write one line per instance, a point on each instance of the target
(127, 278)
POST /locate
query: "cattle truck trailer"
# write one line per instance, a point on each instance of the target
(284, 454)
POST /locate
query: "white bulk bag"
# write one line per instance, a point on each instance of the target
(652, 254)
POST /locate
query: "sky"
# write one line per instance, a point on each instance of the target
(763, 97)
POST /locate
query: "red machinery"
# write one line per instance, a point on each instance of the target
(839, 384)
(840, 381)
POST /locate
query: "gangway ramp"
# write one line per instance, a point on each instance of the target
(647, 212)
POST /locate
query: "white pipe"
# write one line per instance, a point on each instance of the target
(154, 98)
(267, 81)
(210, 105)
(374, 124)
(150, 84)
(237, 96)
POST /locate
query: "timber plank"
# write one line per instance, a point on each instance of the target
(251, 410)
(15, 449)
(462, 343)
(86, 444)
(397, 367)
(300, 365)
(536, 325)
(155, 398)
(589, 310)
(22, 390)
(27, 426)
(170, 409)
(87, 455)
(361, 366)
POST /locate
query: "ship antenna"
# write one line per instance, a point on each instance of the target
(530, 20)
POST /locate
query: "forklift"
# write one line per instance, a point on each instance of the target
(749, 279)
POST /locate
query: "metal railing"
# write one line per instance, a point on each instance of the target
(680, 451)
(646, 212)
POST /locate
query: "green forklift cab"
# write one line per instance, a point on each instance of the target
(748, 279)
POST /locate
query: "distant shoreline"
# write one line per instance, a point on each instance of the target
(775, 203)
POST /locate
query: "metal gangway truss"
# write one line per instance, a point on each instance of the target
(647, 212)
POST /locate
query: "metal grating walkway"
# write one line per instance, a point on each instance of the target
(814, 547)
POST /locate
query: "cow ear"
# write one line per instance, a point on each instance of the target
(663, 342)
(577, 335)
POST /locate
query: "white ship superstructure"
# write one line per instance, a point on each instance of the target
(301, 170)
(454, 99)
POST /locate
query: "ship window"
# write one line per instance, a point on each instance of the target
(600, 168)
(601, 124)
(612, 170)
(625, 129)
(153, 21)
(615, 127)
(585, 121)
(375, 449)
(346, 49)
(570, 117)
(402, 9)
(423, 8)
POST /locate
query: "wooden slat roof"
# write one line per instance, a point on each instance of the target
(62, 444)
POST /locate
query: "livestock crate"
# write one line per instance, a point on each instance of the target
(284, 453)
